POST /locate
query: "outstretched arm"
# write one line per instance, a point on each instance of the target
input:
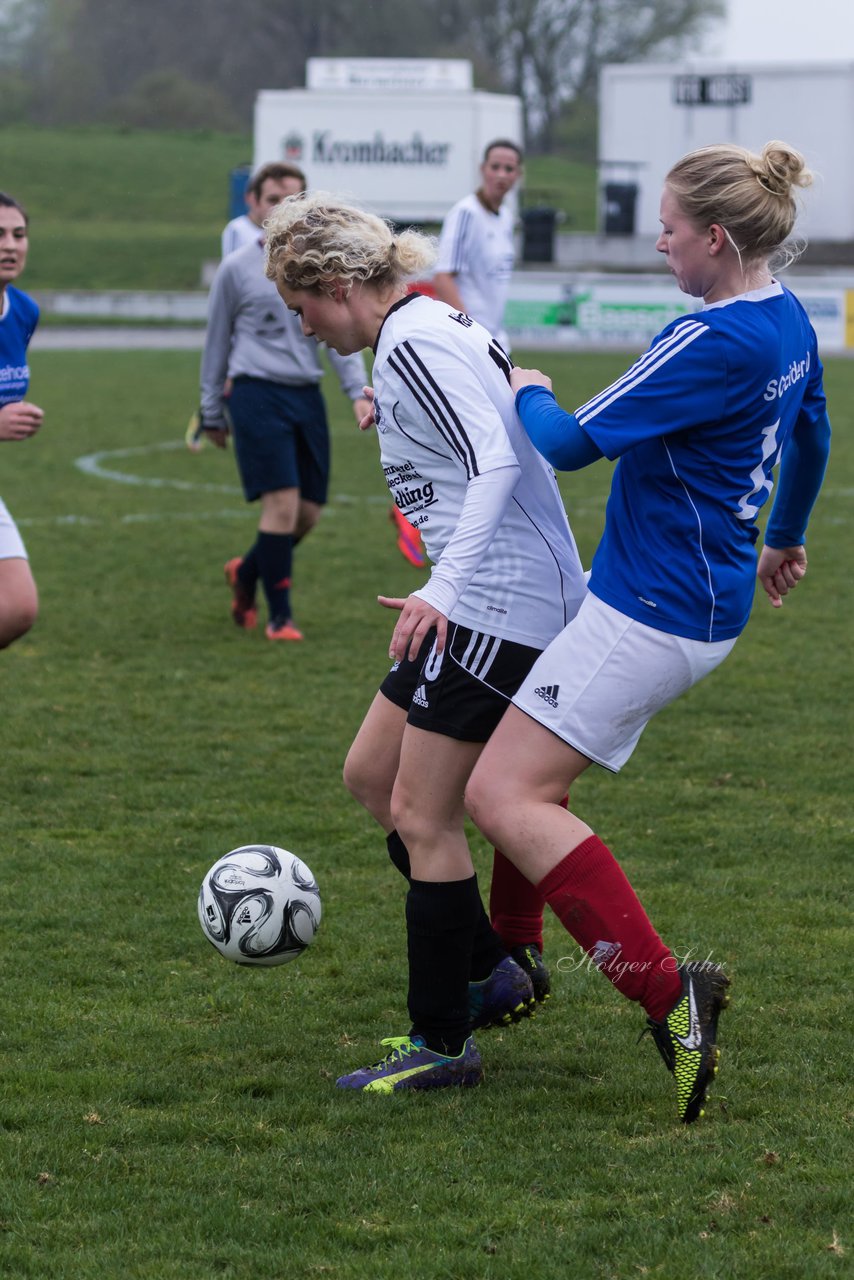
(552, 431)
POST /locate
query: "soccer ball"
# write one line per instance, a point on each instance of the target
(259, 905)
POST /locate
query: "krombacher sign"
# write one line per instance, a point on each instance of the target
(327, 149)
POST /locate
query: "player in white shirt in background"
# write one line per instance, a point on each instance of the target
(472, 273)
(505, 574)
(476, 245)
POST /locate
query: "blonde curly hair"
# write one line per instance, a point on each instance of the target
(751, 196)
(316, 241)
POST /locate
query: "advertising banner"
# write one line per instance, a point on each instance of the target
(627, 312)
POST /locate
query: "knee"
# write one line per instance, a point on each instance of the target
(306, 520)
(354, 777)
(421, 825)
(405, 816)
(280, 510)
(483, 798)
(367, 786)
(18, 612)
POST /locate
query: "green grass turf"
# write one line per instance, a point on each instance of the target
(168, 1116)
(120, 208)
(137, 209)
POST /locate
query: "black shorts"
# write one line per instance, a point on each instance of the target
(464, 691)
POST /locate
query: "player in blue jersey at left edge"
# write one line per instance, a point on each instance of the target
(19, 419)
(698, 425)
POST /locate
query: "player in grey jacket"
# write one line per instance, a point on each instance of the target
(276, 414)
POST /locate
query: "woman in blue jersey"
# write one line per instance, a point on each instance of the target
(697, 424)
(506, 577)
(19, 419)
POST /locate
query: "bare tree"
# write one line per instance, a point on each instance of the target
(550, 51)
(92, 59)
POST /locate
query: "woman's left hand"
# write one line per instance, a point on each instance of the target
(416, 619)
(780, 571)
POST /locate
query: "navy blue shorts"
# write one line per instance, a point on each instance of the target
(281, 438)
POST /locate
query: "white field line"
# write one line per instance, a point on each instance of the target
(93, 464)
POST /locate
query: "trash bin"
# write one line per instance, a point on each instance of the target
(538, 234)
(620, 199)
(238, 181)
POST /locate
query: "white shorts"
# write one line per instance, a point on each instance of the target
(601, 681)
(11, 543)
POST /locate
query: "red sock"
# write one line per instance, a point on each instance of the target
(594, 901)
(515, 905)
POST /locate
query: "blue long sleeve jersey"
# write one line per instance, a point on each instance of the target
(19, 316)
(698, 424)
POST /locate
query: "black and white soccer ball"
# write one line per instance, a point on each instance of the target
(259, 905)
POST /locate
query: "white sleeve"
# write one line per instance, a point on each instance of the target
(487, 496)
(453, 241)
(229, 240)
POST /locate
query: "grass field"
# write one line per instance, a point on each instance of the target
(167, 1116)
(137, 209)
(120, 208)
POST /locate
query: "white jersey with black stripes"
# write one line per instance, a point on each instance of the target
(447, 427)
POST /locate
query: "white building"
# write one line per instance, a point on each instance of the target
(650, 115)
(406, 136)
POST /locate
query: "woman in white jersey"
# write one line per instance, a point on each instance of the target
(698, 423)
(506, 578)
(476, 245)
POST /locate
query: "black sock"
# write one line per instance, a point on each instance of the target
(488, 949)
(275, 558)
(441, 919)
(247, 570)
(398, 853)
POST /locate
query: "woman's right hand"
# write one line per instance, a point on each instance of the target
(416, 619)
(20, 420)
(365, 417)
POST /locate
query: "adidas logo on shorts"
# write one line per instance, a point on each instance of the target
(548, 693)
(419, 697)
